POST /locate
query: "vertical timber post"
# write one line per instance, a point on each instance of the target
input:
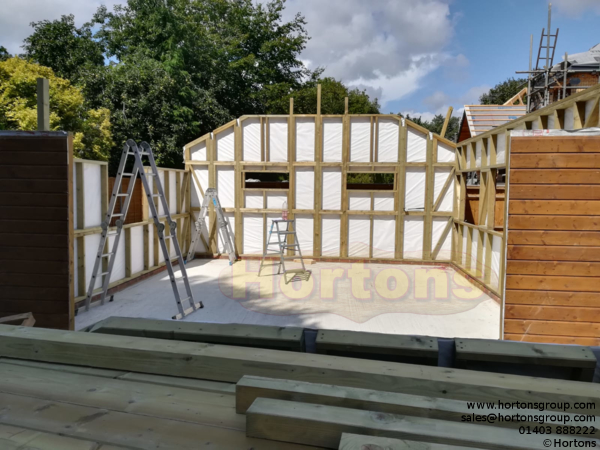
(43, 104)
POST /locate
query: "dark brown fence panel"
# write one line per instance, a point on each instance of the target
(36, 215)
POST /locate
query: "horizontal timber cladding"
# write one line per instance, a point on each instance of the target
(36, 227)
(408, 216)
(554, 186)
(553, 251)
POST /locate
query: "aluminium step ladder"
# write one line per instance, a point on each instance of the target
(282, 244)
(223, 226)
(131, 149)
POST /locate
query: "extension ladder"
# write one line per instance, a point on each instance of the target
(282, 245)
(131, 149)
(223, 226)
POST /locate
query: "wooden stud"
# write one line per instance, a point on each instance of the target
(428, 223)
(446, 121)
(401, 190)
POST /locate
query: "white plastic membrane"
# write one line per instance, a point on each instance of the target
(445, 153)
(278, 139)
(251, 150)
(196, 195)
(173, 192)
(384, 236)
(330, 235)
(305, 139)
(437, 228)
(92, 195)
(230, 217)
(501, 148)
(198, 151)
(441, 175)
(305, 188)
(474, 245)
(569, 118)
(305, 233)
(496, 250)
(465, 237)
(589, 107)
(468, 156)
(359, 201)
(275, 200)
(387, 140)
(415, 188)
(478, 150)
(226, 186)
(253, 199)
(92, 241)
(137, 249)
(74, 190)
(413, 237)
(360, 139)
(225, 145)
(416, 146)
(151, 261)
(359, 236)
(333, 131)
(383, 201)
(253, 234)
(332, 188)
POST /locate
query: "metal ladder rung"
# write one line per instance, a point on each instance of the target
(116, 215)
(187, 299)
(107, 254)
(104, 273)
(127, 174)
(121, 195)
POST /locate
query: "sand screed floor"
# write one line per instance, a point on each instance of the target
(382, 298)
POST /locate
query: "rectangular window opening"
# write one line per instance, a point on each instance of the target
(370, 181)
(266, 180)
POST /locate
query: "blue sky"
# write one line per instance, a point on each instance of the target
(494, 38)
(415, 56)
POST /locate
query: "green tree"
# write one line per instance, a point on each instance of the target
(437, 123)
(4, 55)
(18, 108)
(333, 93)
(63, 47)
(502, 92)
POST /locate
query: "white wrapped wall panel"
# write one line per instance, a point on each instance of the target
(305, 188)
(384, 236)
(332, 188)
(225, 144)
(388, 131)
(416, 146)
(360, 139)
(330, 235)
(413, 237)
(333, 131)
(278, 139)
(251, 147)
(305, 139)
(359, 236)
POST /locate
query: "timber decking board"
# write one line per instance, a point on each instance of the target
(555, 176)
(586, 238)
(323, 426)
(555, 192)
(525, 353)
(553, 253)
(134, 431)
(527, 222)
(557, 144)
(283, 338)
(559, 313)
(390, 347)
(361, 442)
(16, 438)
(249, 388)
(555, 207)
(230, 364)
(551, 328)
(555, 161)
(577, 269)
(553, 235)
(556, 298)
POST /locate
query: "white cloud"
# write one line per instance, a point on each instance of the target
(439, 101)
(387, 45)
(576, 8)
(16, 15)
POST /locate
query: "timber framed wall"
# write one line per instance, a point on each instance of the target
(480, 250)
(36, 226)
(553, 257)
(318, 151)
(138, 253)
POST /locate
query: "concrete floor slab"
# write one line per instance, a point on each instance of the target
(383, 298)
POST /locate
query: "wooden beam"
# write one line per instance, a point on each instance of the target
(322, 426)
(43, 104)
(230, 364)
(446, 121)
(362, 442)
(442, 193)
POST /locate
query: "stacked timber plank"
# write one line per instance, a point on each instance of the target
(553, 262)
(276, 338)
(113, 391)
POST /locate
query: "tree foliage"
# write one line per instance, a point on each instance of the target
(333, 94)
(436, 124)
(63, 47)
(18, 108)
(4, 55)
(177, 69)
(502, 92)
